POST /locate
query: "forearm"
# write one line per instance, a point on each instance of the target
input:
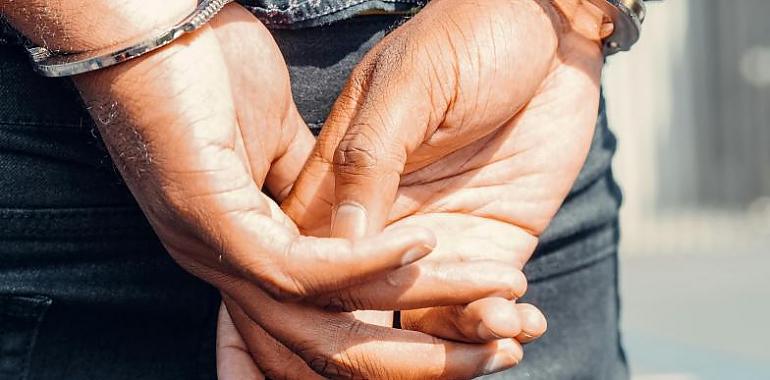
(80, 25)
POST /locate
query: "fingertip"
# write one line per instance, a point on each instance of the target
(520, 284)
(499, 319)
(514, 280)
(416, 234)
(533, 323)
(419, 241)
(509, 353)
(512, 347)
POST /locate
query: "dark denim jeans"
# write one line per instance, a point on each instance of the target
(303, 13)
(87, 291)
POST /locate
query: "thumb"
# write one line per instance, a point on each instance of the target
(350, 218)
(380, 117)
(366, 178)
(371, 156)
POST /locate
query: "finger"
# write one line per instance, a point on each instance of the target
(310, 202)
(254, 244)
(427, 284)
(337, 345)
(363, 313)
(484, 320)
(274, 359)
(499, 318)
(370, 158)
(373, 126)
(470, 323)
(290, 266)
(533, 323)
(234, 362)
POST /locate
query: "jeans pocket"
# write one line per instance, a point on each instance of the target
(20, 317)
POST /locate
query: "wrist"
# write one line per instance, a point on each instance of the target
(83, 25)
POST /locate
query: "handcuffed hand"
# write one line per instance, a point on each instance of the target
(465, 114)
(196, 133)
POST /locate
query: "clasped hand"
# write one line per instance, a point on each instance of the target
(453, 145)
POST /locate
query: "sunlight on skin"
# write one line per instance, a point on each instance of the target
(473, 157)
(197, 173)
(196, 156)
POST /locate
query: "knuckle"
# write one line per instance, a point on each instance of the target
(519, 284)
(370, 145)
(345, 359)
(367, 150)
(330, 369)
(459, 321)
(357, 152)
(320, 364)
(345, 301)
(512, 284)
(338, 358)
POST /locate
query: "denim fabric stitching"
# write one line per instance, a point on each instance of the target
(307, 4)
(305, 11)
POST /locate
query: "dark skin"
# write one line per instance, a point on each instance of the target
(462, 121)
(198, 177)
(451, 144)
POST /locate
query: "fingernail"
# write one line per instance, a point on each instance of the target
(349, 221)
(532, 323)
(415, 254)
(508, 355)
(526, 337)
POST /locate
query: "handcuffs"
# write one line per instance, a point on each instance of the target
(60, 64)
(627, 17)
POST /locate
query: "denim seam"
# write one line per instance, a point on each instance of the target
(328, 9)
(304, 11)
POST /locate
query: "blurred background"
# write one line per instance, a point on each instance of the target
(691, 108)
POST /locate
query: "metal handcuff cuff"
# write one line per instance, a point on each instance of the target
(55, 64)
(627, 17)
